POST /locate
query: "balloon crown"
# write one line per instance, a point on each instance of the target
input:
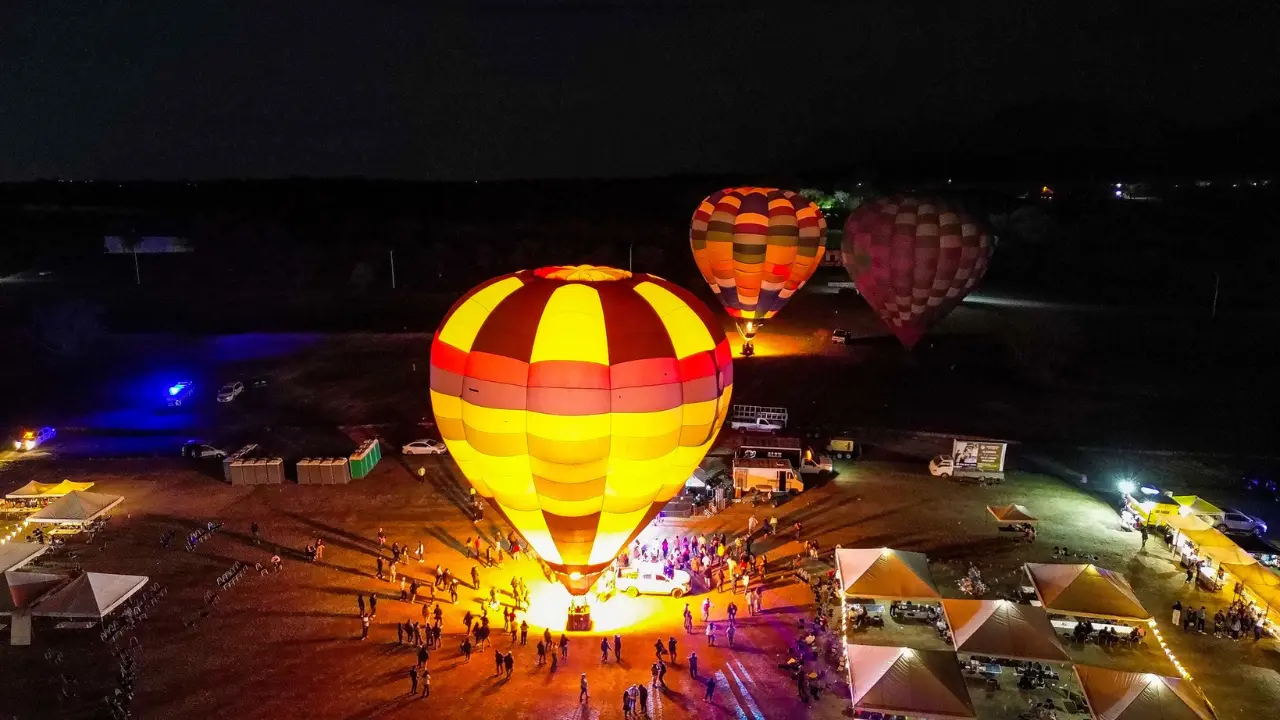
(582, 273)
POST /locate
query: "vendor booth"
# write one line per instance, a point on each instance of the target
(1118, 695)
(47, 491)
(1003, 629)
(902, 681)
(14, 555)
(1012, 515)
(77, 508)
(885, 573)
(1088, 592)
(91, 596)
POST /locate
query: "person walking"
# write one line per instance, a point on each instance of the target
(466, 649)
(564, 646)
(583, 695)
(711, 634)
(497, 661)
(404, 587)
(706, 610)
(542, 653)
(659, 649)
(688, 619)
(554, 657)
(475, 577)
(399, 633)
(653, 673)
(1191, 574)
(413, 680)
(711, 689)
(360, 602)
(364, 627)
(731, 629)
(426, 682)
(693, 665)
(423, 656)
(509, 663)
(604, 650)
(662, 674)
(524, 633)
(453, 592)
(373, 604)
(671, 649)
(379, 573)
(1143, 529)
(617, 648)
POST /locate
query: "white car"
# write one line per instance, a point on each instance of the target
(31, 439)
(651, 581)
(424, 447)
(756, 425)
(197, 450)
(1234, 521)
(228, 392)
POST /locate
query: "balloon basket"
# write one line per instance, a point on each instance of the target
(579, 616)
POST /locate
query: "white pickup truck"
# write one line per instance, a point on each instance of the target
(756, 424)
(652, 581)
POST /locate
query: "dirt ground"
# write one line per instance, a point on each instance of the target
(285, 644)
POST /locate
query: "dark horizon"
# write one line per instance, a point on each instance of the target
(549, 89)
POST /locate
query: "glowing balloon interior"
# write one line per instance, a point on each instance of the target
(914, 259)
(755, 247)
(577, 401)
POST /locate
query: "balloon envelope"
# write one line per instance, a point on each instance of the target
(578, 401)
(756, 247)
(914, 259)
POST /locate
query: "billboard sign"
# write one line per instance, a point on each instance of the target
(978, 455)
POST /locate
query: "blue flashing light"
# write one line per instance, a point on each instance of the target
(175, 389)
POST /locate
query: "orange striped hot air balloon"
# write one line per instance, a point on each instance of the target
(756, 247)
(578, 401)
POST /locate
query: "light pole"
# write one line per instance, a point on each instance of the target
(630, 245)
(1213, 312)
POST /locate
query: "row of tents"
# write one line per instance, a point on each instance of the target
(1261, 584)
(930, 684)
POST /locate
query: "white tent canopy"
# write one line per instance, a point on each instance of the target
(1085, 591)
(92, 596)
(1012, 514)
(885, 573)
(76, 508)
(1003, 629)
(902, 681)
(16, 554)
(33, 490)
(19, 590)
(1116, 695)
(697, 480)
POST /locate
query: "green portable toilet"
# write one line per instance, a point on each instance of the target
(364, 458)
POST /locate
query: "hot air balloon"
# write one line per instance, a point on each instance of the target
(756, 247)
(577, 401)
(914, 259)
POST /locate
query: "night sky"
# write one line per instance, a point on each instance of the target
(478, 89)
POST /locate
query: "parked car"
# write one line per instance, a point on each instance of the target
(1234, 521)
(840, 337)
(259, 382)
(652, 581)
(31, 439)
(756, 424)
(196, 450)
(424, 447)
(230, 391)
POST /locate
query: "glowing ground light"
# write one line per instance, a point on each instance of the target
(549, 606)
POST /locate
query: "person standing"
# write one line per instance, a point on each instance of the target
(475, 577)
(730, 632)
(688, 619)
(554, 657)
(497, 661)
(426, 682)
(466, 649)
(1143, 529)
(671, 649)
(693, 665)
(413, 680)
(706, 610)
(364, 627)
(658, 649)
(604, 650)
(626, 703)
(399, 633)
(509, 663)
(644, 700)
(711, 634)
(453, 592)
(617, 648)
(564, 646)
(542, 653)
(546, 638)
(662, 674)
(379, 573)
(524, 633)
(653, 673)
(711, 688)
(382, 538)
(423, 656)
(360, 602)
(373, 604)
(253, 528)
(404, 586)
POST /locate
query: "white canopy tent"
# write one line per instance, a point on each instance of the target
(903, 681)
(1117, 695)
(91, 596)
(36, 490)
(885, 573)
(76, 508)
(16, 554)
(1003, 629)
(20, 590)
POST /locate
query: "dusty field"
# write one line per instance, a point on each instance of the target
(285, 645)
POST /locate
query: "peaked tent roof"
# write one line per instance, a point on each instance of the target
(33, 490)
(16, 554)
(19, 590)
(1117, 695)
(1209, 538)
(902, 681)
(1085, 590)
(885, 573)
(1003, 629)
(1197, 505)
(92, 595)
(1012, 514)
(76, 507)
(1186, 523)
(1253, 574)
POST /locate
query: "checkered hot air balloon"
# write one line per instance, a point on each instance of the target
(756, 247)
(914, 259)
(578, 401)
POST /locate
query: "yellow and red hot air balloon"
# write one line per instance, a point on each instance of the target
(577, 401)
(756, 247)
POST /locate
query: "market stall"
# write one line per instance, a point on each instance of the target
(1085, 591)
(77, 508)
(902, 681)
(1117, 695)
